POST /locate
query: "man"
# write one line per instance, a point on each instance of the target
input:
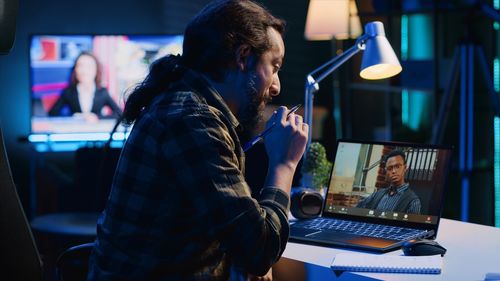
(179, 208)
(398, 197)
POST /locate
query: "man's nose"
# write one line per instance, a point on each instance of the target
(275, 87)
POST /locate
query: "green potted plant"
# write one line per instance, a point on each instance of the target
(316, 169)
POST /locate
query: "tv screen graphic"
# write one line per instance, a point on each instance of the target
(117, 64)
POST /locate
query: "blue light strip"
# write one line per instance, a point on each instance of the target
(496, 5)
(462, 136)
(416, 44)
(76, 137)
(470, 133)
(461, 160)
(465, 202)
(496, 141)
(405, 96)
(38, 138)
(79, 137)
(405, 107)
(470, 110)
(496, 128)
(404, 37)
(496, 168)
(496, 73)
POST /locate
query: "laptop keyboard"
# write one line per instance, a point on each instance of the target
(361, 228)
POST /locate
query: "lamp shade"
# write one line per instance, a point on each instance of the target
(379, 60)
(332, 18)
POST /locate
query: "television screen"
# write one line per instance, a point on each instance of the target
(63, 104)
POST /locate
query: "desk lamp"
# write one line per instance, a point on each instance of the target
(379, 62)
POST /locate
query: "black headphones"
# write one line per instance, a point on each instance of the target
(305, 203)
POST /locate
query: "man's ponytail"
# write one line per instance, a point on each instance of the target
(162, 72)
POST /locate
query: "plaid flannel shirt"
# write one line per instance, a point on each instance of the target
(179, 207)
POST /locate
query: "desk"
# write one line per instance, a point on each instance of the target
(472, 251)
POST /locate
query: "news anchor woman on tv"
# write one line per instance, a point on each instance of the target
(84, 95)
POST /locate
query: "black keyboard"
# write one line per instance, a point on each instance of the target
(361, 228)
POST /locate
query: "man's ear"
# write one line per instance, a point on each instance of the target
(243, 53)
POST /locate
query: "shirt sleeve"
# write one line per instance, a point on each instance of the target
(364, 202)
(252, 233)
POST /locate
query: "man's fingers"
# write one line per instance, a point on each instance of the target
(298, 120)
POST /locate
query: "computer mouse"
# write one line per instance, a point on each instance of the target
(422, 247)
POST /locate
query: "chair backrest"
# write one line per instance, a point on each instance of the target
(73, 263)
(94, 170)
(19, 256)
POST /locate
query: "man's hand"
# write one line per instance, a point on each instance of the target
(285, 145)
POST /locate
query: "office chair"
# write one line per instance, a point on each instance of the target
(94, 169)
(18, 250)
(59, 229)
(76, 223)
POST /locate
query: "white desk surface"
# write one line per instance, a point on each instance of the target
(472, 251)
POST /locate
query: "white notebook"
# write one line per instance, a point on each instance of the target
(387, 263)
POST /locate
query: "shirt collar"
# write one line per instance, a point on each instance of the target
(400, 189)
(200, 84)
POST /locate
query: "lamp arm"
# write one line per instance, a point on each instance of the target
(340, 59)
(312, 86)
(337, 61)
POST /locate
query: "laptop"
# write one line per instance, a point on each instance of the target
(380, 194)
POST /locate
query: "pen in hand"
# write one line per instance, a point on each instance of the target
(256, 139)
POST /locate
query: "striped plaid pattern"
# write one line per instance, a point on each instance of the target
(179, 208)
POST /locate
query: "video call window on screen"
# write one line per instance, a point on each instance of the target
(123, 61)
(361, 170)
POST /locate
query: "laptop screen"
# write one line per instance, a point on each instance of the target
(390, 181)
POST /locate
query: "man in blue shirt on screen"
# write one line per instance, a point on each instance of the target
(398, 196)
(180, 208)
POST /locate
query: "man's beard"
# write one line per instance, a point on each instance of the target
(251, 115)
